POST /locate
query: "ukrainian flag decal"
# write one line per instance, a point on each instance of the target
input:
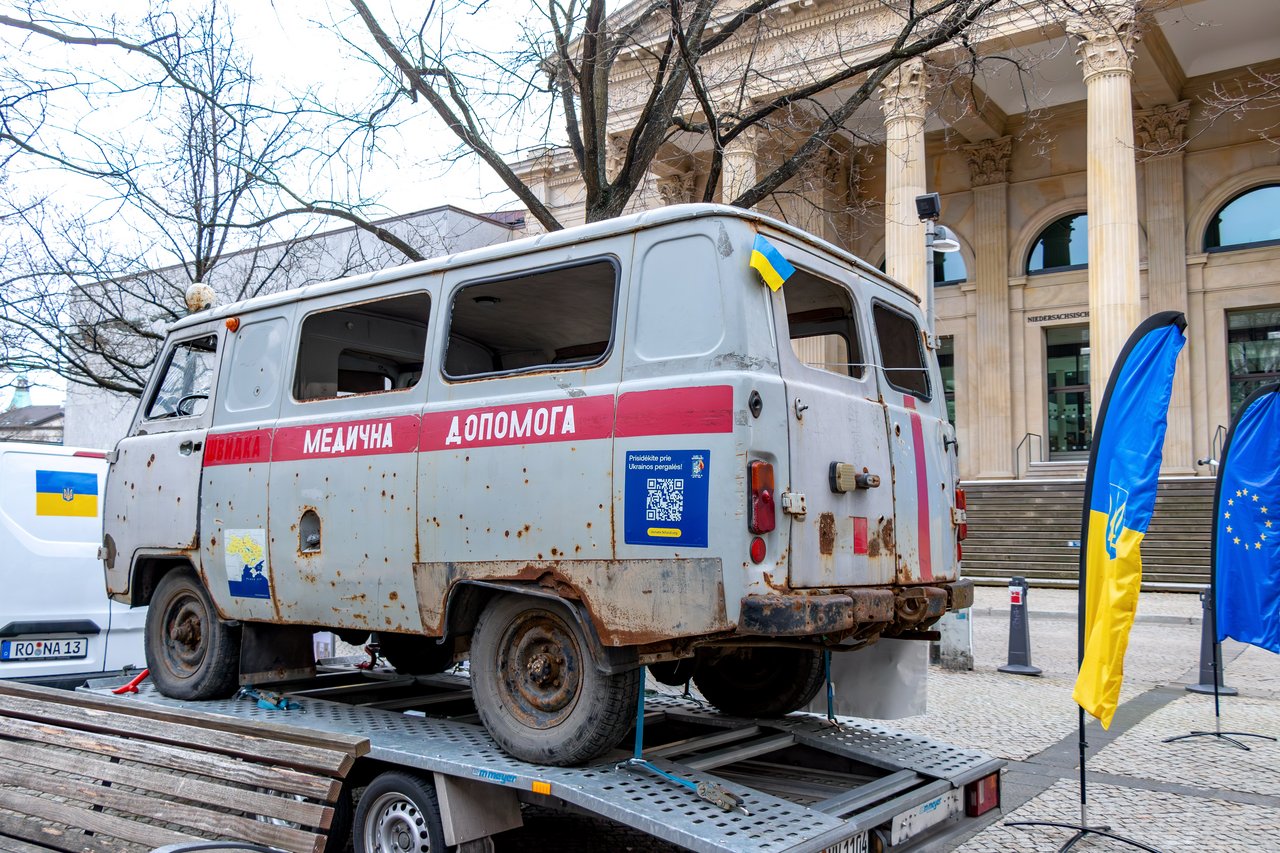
(768, 261)
(66, 493)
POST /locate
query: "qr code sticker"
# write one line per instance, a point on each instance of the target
(664, 500)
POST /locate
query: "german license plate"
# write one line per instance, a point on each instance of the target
(915, 821)
(858, 844)
(44, 648)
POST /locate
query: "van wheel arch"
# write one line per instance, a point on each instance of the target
(467, 599)
(146, 575)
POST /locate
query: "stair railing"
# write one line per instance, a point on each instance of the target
(1018, 454)
(1215, 449)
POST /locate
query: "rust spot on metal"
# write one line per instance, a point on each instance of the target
(772, 584)
(151, 460)
(827, 534)
(394, 596)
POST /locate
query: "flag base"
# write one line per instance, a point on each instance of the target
(1081, 832)
(1229, 737)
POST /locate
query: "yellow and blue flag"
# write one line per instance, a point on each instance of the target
(1120, 494)
(1246, 534)
(768, 261)
(71, 493)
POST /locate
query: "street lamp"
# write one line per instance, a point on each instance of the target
(937, 238)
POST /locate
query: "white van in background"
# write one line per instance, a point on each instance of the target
(56, 622)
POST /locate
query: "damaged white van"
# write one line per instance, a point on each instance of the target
(566, 457)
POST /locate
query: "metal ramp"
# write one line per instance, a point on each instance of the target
(806, 785)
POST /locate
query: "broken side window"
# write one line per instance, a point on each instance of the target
(188, 379)
(369, 348)
(901, 351)
(550, 319)
(823, 332)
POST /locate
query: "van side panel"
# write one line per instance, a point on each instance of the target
(515, 476)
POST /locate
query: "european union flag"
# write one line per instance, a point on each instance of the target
(1120, 495)
(1246, 549)
(768, 261)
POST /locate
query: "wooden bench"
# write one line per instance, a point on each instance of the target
(84, 773)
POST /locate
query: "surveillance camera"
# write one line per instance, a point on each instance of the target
(928, 206)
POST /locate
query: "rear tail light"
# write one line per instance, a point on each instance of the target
(962, 515)
(757, 550)
(761, 517)
(982, 796)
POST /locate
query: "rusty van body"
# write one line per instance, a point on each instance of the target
(567, 457)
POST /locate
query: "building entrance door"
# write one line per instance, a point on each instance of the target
(1070, 411)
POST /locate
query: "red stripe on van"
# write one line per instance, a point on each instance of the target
(567, 419)
(675, 411)
(237, 448)
(925, 546)
(372, 437)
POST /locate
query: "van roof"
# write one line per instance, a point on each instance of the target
(553, 239)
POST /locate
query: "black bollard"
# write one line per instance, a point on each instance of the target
(1208, 650)
(1019, 631)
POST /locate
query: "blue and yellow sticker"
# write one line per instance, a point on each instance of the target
(67, 493)
(666, 497)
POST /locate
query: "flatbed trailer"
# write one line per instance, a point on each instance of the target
(802, 782)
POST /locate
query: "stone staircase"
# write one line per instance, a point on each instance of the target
(1029, 527)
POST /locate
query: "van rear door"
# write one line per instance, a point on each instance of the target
(846, 538)
(923, 476)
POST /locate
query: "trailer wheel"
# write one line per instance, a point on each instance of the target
(416, 655)
(190, 652)
(761, 682)
(537, 689)
(399, 813)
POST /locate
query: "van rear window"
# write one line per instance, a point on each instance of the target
(553, 319)
(823, 332)
(370, 348)
(901, 352)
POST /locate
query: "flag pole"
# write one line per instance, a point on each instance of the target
(1216, 661)
(1083, 829)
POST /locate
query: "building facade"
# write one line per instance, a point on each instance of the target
(1104, 168)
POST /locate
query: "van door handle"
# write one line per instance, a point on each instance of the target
(187, 447)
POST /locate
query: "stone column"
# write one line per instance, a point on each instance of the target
(1104, 42)
(991, 378)
(677, 189)
(738, 166)
(903, 103)
(1159, 134)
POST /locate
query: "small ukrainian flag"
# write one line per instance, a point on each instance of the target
(768, 261)
(66, 493)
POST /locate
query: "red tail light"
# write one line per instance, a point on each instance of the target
(982, 796)
(962, 507)
(760, 516)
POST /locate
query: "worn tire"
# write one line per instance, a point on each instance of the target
(761, 682)
(537, 688)
(398, 812)
(416, 655)
(190, 652)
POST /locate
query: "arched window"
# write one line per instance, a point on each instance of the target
(1064, 245)
(948, 268)
(1247, 220)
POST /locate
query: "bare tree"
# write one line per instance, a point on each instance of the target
(710, 70)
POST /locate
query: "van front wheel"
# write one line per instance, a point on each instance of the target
(537, 688)
(761, 682)
(191, 654)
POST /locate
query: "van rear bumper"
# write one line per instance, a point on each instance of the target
(832, 613)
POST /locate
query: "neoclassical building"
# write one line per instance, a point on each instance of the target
(1106, 168)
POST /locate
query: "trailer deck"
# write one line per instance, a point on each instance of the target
(805, 784)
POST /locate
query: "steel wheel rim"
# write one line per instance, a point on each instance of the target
(184, 634)
(539, 669)
(396, 825)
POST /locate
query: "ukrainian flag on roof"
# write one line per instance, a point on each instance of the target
(768, 261)
(68, 493)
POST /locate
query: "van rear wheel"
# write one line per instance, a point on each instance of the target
(191, 654)
(761, 682)
(537, 689)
